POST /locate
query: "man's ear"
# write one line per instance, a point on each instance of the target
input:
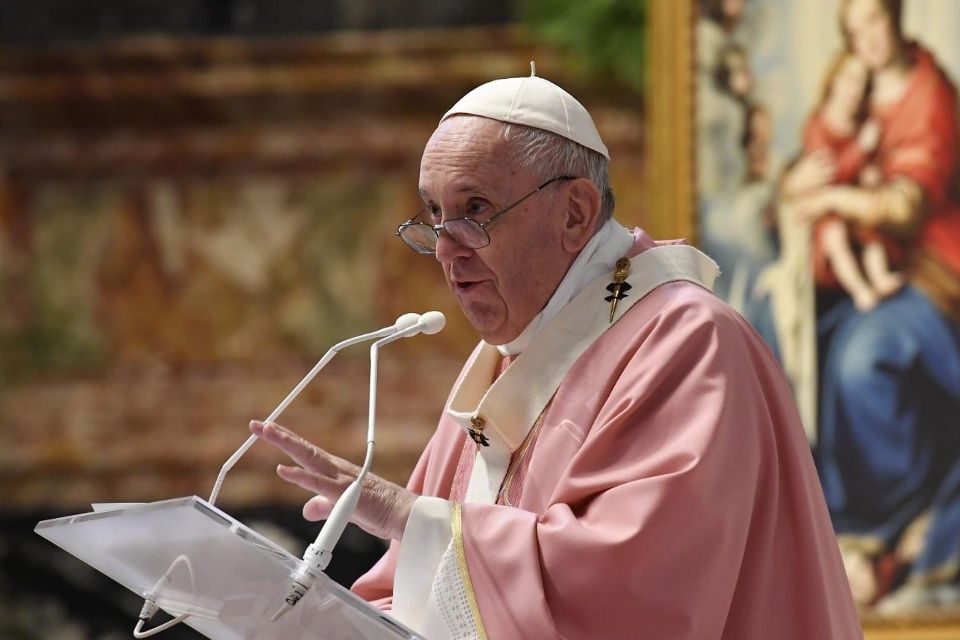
(583, 210)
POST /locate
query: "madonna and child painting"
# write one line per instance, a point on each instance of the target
(828, 183)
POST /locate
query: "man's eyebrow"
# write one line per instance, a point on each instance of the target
(462, 189)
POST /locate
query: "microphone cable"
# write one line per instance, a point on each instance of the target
(317, 556)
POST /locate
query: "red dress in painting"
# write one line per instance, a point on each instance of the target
(918, 142)
(850, 160)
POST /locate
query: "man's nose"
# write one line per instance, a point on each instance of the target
(448, 249)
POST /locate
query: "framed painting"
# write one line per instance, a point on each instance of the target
(811, 147)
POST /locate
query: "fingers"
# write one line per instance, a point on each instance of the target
(308, 480)
(317, 508)
(299, 450)
(383, 507)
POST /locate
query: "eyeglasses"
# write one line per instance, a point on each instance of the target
(422, 237)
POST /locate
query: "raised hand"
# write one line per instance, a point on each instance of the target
(383, 508)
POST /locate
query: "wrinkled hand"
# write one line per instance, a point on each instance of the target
(812, 170)
(383, 508)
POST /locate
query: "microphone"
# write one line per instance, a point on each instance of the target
(407, 324)
(404, 323)
(428, 324)
(318, 555)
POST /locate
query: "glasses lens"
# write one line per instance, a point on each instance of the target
(420, 237)
(467, 233)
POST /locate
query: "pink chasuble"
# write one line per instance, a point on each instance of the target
(667, 491)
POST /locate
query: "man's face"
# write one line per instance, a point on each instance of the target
(871, 32)
(467, 170)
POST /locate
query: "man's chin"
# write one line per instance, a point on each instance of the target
(496, 336)
(489, 324)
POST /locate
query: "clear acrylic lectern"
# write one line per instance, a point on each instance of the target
(228, 578)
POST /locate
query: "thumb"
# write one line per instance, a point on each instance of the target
(317, 508)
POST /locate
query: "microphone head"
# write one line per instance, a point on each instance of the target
(406, 321)
(432, 322)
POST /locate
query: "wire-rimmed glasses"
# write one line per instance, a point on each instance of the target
(422, 236)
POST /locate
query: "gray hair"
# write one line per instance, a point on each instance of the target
(550, 155)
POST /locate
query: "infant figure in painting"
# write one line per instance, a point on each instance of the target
(852, 139)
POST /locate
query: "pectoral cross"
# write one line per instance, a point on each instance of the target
(619, 287)
(476, 432)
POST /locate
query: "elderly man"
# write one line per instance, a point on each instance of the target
(621, 456)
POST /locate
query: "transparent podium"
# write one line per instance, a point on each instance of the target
(228, 579)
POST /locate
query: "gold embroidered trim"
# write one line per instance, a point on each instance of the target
(518, 461)
(456, 525)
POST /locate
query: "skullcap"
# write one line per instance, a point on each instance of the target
(534, 102)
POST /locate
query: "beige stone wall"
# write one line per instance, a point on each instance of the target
(185, 226)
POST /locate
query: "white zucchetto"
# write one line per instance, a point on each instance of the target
(534, 102)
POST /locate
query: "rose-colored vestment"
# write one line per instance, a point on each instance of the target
(668, 493)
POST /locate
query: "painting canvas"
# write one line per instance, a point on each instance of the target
(826, 177)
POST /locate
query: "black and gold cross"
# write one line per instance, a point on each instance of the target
(619, 287)
(476, 432)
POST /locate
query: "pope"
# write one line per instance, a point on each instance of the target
(621, 456)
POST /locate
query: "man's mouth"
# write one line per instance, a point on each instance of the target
(464, 285)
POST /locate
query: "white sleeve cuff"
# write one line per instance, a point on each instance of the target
(425, 539)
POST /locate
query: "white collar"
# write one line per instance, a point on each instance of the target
(611, 242)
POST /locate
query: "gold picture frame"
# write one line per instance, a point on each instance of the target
(670, 212)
